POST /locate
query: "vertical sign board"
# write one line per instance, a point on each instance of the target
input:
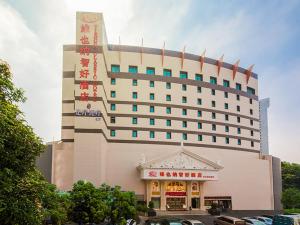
(87, 50)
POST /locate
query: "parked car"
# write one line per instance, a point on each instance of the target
(227, 220)
(191, 222)
(266, 220)
(251, 221)
(286, 220)
(163, 221)
(268, 216)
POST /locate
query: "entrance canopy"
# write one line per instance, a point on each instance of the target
(182, 165)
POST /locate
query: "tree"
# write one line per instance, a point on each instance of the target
(25, 196)
(87, 205)
(290, 175)
(291, 198)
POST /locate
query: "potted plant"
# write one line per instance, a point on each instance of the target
(151, 211)
(214, 210)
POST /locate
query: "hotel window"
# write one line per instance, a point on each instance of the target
(134, 95)
(151, 83)
(226, 83)
(150, 71)
(199, 77)
(134, 82)
(199, 89)
(183, 75)
(112, 133)
(112, 119)
(184, 112)
(237, 97)
(251, 111)
(184, 124)
(238, 86)
(168, 135)
(213, 127)
(134, 133)
(214, 139)
(226, 128)
(213, 103)
(183, 99)
(239, 130)
(250, 91)
(184, 136)
(238, 119)
(112, 107)
(251, 122)
(183, 87)
(167, 73)
(152, 121)
(115, 68)
(113, 94)
(168, 98)
(250, 100)
(200, 137)
(252, 133)
(226, 105)
(134, 120)
(168, 123)
(213, 115)
(168, 110)
(151, 96)
(199, 125)
(199, 113)
(132, 69)
(239, 142)
(199, 101)
(113, 81)
(227, 140)
(168, 85)
(213, 80)
(252, 144)
(152, 134)
(134, 108)
(152, 109)
(238, 108)
(225, 94)
(226, 117)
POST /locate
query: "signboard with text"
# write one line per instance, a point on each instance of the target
(170, 174)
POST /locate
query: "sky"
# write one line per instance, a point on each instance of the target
(265, 33)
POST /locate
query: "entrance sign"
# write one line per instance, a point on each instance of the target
(168, 174)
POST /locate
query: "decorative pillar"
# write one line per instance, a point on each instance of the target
(148, 191)
(202, 206)
(189, 194)
(162, 196)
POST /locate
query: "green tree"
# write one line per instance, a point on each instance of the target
(24, 193)
(291, 198)
(87, 204)
(290, 175)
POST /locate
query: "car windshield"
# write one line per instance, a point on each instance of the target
(268, 220)
(257, 222)
(198, 224)
(175, 223)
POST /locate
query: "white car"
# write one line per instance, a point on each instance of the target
(251, 221)
(265, 220)
(191, 222)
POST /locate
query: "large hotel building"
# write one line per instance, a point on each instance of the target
(178, 129)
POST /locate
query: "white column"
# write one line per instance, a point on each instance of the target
(202, 207)
(162, 196)
(148, 191)
(189, 194)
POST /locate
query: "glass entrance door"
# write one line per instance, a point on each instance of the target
(176, 203)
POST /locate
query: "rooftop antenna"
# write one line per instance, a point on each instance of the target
(119, 49)
(163, 53)
(142, 50)
(202, 59)
(182, 57)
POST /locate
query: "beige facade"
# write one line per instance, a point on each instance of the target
(126, 121)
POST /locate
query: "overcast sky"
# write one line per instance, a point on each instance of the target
(264, 33)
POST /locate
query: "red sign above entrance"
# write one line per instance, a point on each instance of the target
(171, 193)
